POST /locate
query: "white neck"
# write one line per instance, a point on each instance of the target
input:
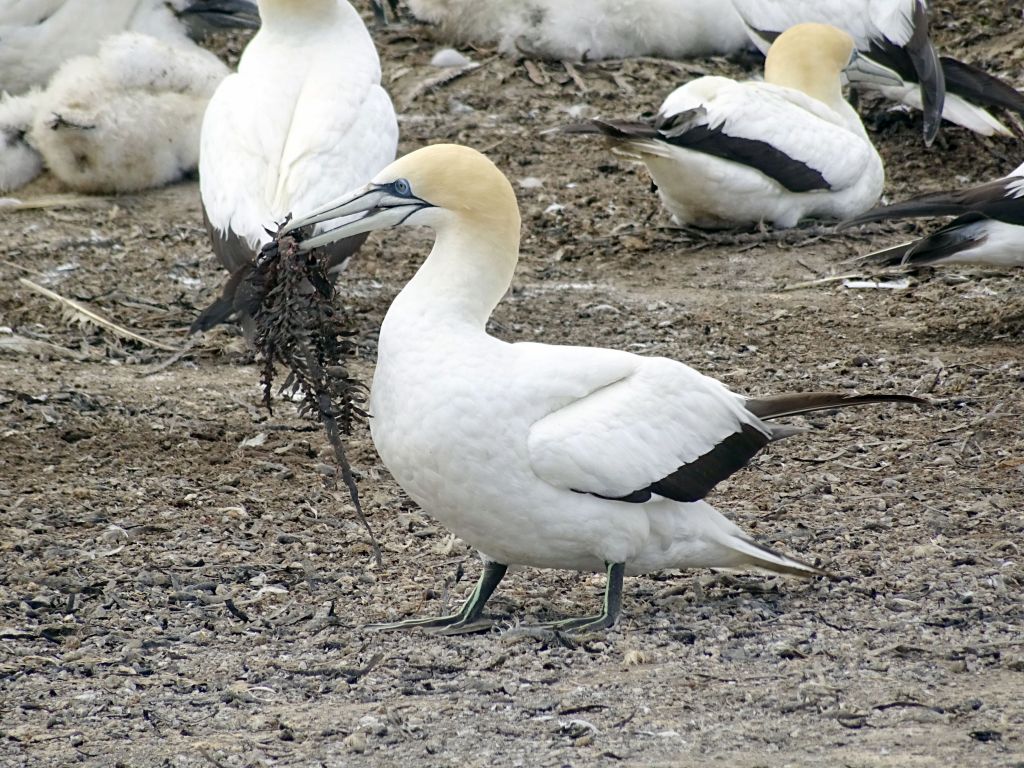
(466, 274)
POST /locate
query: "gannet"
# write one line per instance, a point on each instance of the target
(989, 228)
(305, 110)
(725, 153)
(128, 118)
(894, 34)
(37, 36)
(549, 456)
(592, 29)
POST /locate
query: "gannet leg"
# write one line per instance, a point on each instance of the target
(467, 619)
(608, 616)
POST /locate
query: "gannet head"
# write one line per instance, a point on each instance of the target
(440, 186)
(813, 57)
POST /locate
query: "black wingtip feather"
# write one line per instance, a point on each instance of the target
(795, 403)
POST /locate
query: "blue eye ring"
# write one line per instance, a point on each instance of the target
(401, 188)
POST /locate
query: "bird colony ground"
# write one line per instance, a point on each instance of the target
(181, 586)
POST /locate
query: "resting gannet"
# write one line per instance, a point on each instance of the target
(989, 228)
(725, 153)
(591, 29)
(37, 36)
(550, 456)
(127, 118)
(894, 34)
(305, 110)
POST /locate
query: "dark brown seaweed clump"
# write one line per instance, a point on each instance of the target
(299, 327)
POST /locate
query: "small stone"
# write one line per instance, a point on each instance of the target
(356, 742)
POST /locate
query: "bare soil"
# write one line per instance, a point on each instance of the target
(180, 587)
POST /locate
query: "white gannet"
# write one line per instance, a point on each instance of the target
(37, 36)
(127, 118)
(20, 162)
(305, 109)
(894, 34)
(989, 228)
(726, 153)
(550, 456)
(591, 29)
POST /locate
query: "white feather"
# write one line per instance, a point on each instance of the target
(40, 35)
(591, 29)
(304, 116)
(129, 117)
(20, 162)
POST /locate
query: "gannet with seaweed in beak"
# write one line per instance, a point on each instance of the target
(725, 153)
(550, 456)
(988, 228)
(894, 34)
(305, 112)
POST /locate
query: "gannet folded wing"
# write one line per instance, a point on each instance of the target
(660, 428)
(656, 428)
(969, 239)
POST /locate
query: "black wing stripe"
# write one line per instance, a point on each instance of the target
(689, 130)
(948, 241)
(693, 481)
(992, 199)
(929, 73)
(980, 87)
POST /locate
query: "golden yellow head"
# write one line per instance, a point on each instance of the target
(454, 178)
(810, 58)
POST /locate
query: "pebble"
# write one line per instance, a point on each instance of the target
(356, 742)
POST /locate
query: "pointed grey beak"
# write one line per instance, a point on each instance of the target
(863, 71)
(204, 16)
(380, 209)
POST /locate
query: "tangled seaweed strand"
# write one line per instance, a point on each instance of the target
(298, 327)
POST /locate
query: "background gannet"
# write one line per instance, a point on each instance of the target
(989, 228)
(894, 34)
(551, 456)
(37, 36)
(591, 29)
(725, 153)
(129, 117)
(304, 112)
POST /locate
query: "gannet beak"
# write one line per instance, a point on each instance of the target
(212, 15)
(380, 206)
(862, 70)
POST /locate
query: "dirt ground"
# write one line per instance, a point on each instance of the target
(179, 587)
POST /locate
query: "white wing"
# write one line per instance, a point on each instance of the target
(644, 421)
(865, 20)
(802, 129)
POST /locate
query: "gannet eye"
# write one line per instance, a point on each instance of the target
(401, 188)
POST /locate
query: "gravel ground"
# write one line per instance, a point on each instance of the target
(180, 587)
